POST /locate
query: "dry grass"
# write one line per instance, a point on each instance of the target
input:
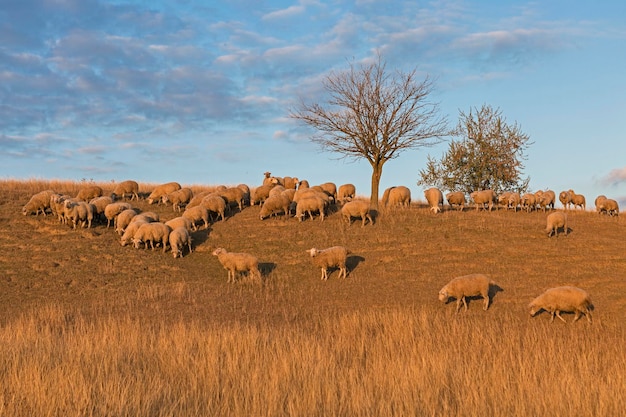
(90, 328)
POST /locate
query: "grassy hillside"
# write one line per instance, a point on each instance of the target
(137, 332)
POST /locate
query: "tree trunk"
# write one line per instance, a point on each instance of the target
(377, 172)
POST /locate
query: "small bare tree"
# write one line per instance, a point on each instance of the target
(375, 115)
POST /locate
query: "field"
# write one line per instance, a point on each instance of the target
(91, 328)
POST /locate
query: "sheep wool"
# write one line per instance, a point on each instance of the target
(333, 257)
(236, 262)
(563, 299)
(555, 221)
(357, 209)
(460, 288)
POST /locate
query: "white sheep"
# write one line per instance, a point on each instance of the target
(598, 202)
(577, 200)
(290, 183)
(178, 198)
(38, 203)
(179, 238)
(261, 193)
(100, 204)
(514, 200)
(563, 299)
(123, 220)
(233, 195)
(275, 204)
(483, 197)
(131, 229)
(179, 221)
(565, 198)
(89, 192)
(546, 200)
(152, 233)
(235, 262)
(434, 196)
(554, 221)
(456, 198)
(78, 212)
(310, 205)
(333, 257)
(472, 285)
(197, 214)
(214, 204)
(529, 202)
(397, 196)
(146, 216)
(163, 189)
(303, 184)
(125, 188)
(607, 205)
(357, 208)
(331, 189)
(111, 211)
(276, 190)
(345, 193)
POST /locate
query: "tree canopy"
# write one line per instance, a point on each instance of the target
(489, 155)
(374, 114)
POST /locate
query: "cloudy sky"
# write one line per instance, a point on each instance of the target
(200, 91)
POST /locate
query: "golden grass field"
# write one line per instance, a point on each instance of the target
(91, 328)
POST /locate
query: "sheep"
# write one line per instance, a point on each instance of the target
(529, 202)
(147, 216)
(483, 197)
(235, 262)
(311, 192)
(546, 199)
(125, 188)
(333, 257)
(434, 196)
(179, 221)
(303, 184)
(276, 190)
(123, 220)
(39, 202)
(577, 199)
(197, 214)
(214, 204)
(513, 201)
(275, 204)
(311, 205)
(456, 198)
(565, 198)
(112, 210)
(345, 193)
(179, 238)
(77, 212)
(269, 180)
(233, 195)
(197, 198)
(466, 286)
(598, 202)
(554, 221)
(331, 189)
(178, 198)
(160, 190)
(290, 183)
(129, 232)
(356, 208)
(397, 196)
(260, 193)
(100, 204)
(152, 233)
(89, 192)
(57, 204)
(503, 199)
(563, 299)
(609, 206)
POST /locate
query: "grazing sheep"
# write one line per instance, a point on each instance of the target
(233, 196)
(456, 198)
(483, 197)
(563, 299)
(100, 204)
(153, 234)
(554, 221)
(89, 192)
(514, 201)
(290, 183)
(197, 198)
(303, 184)
(214, 204)
(434, 196)
(397, 196)
(123, 220)
(467, 286)
(160, 190)
(276, 190)
(179, 238)
(179, 221)
(39, 202)
(261, 193)
(178, 198)
(111, 211)
(611, 207)
(334, 257)
(129, 232)
(311, 192)
(197, 214)
(565, 198)
(357, 208)
(331, 189)
(57, 205)
(529, 202)
(78, 212)
(125, 188)
(577, 200)
(235, 262)
(345, 193)
(275, 204)
(310, 205)
(598, 202)
(146, 216)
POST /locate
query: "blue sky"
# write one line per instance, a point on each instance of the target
(199, 92)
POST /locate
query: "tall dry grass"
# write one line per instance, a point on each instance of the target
(55, 362)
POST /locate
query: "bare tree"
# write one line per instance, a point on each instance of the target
(374, 114)
(490, 154)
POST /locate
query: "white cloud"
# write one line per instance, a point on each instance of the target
(287, 13)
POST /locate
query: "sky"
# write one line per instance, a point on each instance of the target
(200, 92)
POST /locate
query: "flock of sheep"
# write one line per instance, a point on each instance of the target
(289, 196)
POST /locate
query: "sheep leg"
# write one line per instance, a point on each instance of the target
(558, 314)
(486, 305)
(458, 304)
